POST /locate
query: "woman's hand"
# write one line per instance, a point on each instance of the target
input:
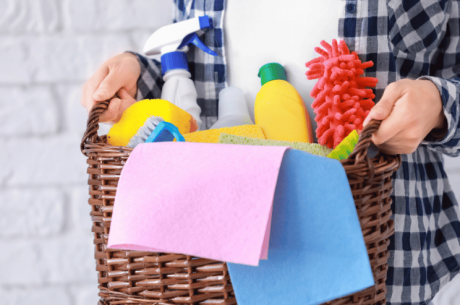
(116, 78)
(410, 110)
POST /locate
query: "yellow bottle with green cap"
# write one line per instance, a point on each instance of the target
(279, 109)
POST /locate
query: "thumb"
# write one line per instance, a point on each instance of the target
(384, 107)
(109, 86)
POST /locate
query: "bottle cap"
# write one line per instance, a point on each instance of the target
(173, 60)
(271, 71)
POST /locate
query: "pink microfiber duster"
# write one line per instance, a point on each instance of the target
(341, 100)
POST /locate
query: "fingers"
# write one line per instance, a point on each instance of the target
(391, 125)
(110, 85)
(132, 91)
(90, 86)
(399, 145)
(391, 110)
(111, 114)
(126, 101)
(117, 106)
(384, 107)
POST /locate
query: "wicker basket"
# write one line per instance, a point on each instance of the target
(131, 277)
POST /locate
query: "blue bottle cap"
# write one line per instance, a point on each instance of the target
(174, 60)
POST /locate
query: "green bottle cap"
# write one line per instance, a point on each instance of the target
(271, 71)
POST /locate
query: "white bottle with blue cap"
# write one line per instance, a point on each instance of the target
(172, 43)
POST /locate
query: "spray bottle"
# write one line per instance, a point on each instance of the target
(233, 110)
(172, 43)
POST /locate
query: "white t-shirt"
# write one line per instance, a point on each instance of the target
(258, 32)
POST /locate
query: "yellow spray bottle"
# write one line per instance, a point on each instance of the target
(279, 109)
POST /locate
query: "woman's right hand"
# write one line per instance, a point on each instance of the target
(116, 79)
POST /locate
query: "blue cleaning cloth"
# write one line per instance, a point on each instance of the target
(317, 251)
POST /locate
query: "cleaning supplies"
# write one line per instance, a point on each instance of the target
(141, 118)
(313, 148)
(341, 100)
(145, 131)
(279, 109)
(233, 110)
(172, 42)
(212, 135)
(345, 148)
(165, 132)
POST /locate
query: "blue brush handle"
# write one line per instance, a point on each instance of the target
(165, 132)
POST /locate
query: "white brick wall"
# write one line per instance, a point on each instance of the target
(48, 48)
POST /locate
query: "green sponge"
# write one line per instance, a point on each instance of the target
(345, 148)
(315, 149)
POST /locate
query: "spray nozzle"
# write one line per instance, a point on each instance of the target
(175, 36)
(193, 38)
(171, 42)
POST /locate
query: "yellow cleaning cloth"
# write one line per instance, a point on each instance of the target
(212, 135)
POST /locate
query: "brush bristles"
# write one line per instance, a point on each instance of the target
(144, 132)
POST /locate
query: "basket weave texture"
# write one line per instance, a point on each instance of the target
(133, 277)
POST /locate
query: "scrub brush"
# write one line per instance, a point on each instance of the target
(145, 131)
(141, 118)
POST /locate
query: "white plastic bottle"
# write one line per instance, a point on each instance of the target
(172, 42)
(180, 90)
(233, 110)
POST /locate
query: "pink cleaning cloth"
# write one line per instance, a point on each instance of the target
(207, 200)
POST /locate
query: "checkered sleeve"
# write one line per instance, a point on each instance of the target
(446, 76)
(450, 94)
(150, 81)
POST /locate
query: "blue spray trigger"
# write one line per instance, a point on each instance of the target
(165, 132)
(193, 38)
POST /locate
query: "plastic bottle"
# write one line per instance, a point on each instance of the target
(233, 110)
(279, 109)
(172, 43)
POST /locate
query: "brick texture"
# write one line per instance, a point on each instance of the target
(48, 49)
(29, 16)
(28, 112)
(31, 213)
(55, 295)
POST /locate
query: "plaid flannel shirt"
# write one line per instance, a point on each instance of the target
(405, 39)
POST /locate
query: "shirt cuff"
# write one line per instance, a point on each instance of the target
(448, 92)
(150, 82)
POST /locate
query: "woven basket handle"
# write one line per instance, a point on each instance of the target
(360, 153)
(92, 124)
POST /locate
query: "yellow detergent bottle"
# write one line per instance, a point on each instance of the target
(279, 109)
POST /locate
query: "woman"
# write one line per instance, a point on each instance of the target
(415, 47)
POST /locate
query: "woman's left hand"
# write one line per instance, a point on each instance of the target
(410, 110)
